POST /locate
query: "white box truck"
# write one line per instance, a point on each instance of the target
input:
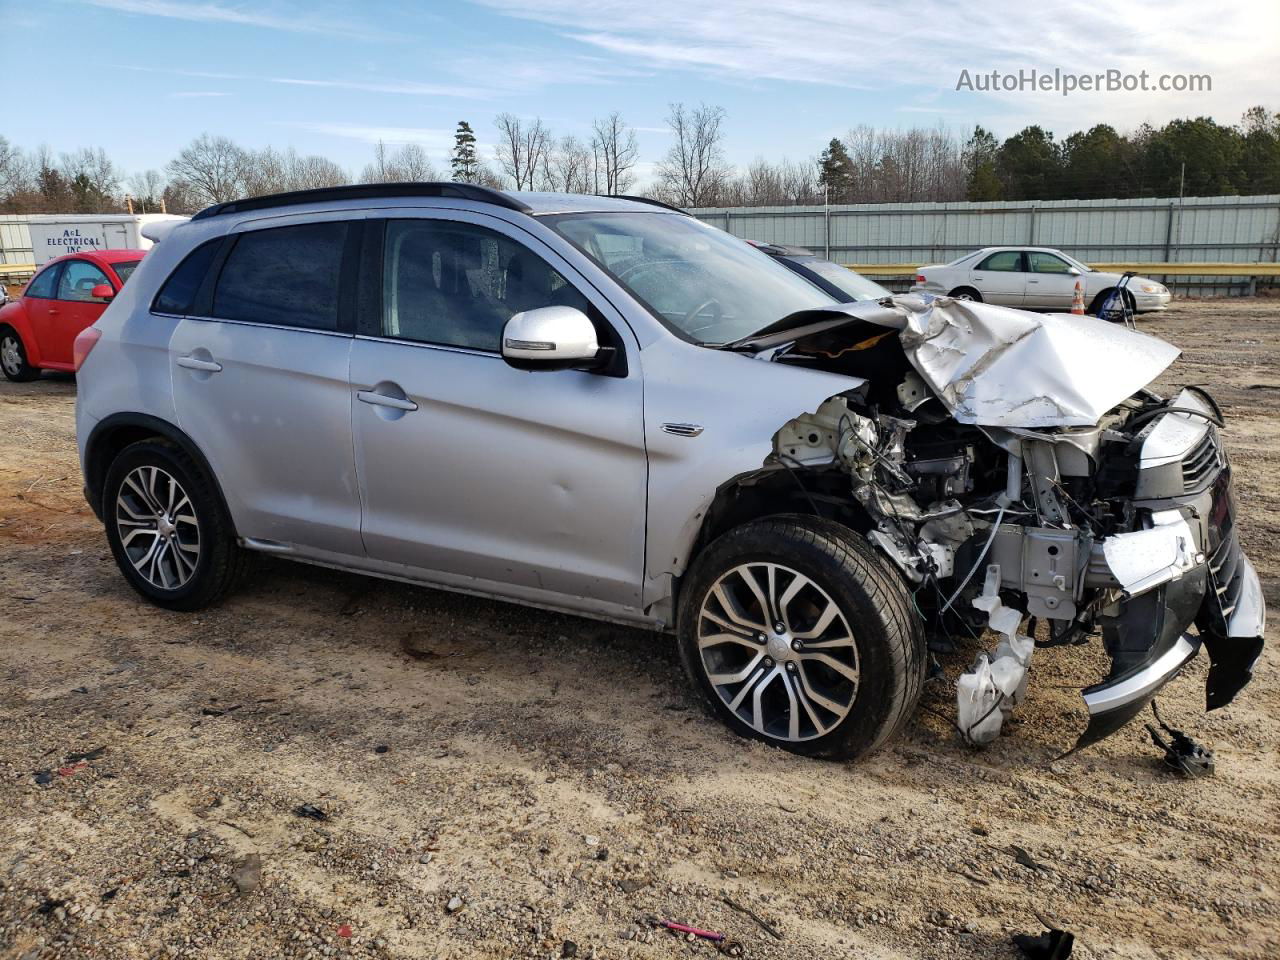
(55, 234)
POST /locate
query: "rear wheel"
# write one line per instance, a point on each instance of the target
(13, 357)
(167, 528)
(797, 635)
(965, 293)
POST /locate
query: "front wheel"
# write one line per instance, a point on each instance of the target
(13, 358)
(796, 634)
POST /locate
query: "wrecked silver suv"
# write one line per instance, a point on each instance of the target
(603, 406)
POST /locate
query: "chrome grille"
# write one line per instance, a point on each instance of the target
(1202, 463)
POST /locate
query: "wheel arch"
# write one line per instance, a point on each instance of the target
(754, 496)
(113, 434)
(18, 322)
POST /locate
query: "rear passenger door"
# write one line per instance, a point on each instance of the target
(259, 362)
(1001, 278)
(528, 484)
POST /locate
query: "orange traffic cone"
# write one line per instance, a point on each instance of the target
(1077, 299)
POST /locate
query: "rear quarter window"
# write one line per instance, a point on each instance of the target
(43, 284)
(178, 294)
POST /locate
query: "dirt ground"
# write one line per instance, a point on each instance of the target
(500, 782)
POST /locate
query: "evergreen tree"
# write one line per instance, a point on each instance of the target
(980, 157)
(465, 164)
(835, 173)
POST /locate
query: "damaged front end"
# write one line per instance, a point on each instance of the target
(1021, 476)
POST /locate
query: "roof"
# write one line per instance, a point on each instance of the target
(781, 249)
(529, 202)
(106, 256)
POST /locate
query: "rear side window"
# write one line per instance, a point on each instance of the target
(43, 285)
(1006, 261)
(178, 295)
(287, 276)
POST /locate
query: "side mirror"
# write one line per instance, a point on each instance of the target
(1074, 271)
(102, 291)
(550, 338)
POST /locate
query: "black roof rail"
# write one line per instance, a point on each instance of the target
(368, 191)
(648, 200)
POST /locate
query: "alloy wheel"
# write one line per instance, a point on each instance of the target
(778, 651)
(158, 527)
(11, 355)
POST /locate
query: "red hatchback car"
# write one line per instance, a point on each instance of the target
(38, 330)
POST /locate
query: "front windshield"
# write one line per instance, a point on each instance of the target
(703, 283)
(854, 285)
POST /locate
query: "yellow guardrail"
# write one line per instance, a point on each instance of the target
(1145, 269)
(18, 268)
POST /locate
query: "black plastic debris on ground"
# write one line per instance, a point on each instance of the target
(1182, 754)
(1051, 945)
(310, 811)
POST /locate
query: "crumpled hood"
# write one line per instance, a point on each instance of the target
(1001, 367)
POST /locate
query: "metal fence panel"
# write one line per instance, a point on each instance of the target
(1147, 230)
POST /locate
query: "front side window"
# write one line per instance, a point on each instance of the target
(79, 277)
(703, 283)
(43, 285)
(1006, 261)
(457, 284)
(285, 276)
(1047, 263)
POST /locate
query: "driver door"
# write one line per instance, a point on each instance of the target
(525, 484)
(1050, 282)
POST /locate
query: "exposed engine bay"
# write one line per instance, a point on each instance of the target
(1017, 471)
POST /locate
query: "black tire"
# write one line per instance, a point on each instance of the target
(965, 293)
(23, 372)
(873, 600)
(220, 559)
(1114, 315)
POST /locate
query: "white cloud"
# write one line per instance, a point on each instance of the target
(292, 21)
(406, 87)
(921, 48)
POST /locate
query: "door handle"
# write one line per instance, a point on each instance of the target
(195, 363)
(1033, 281)
(382, 400)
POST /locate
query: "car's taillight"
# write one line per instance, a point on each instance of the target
(85, 342)
(919, 278)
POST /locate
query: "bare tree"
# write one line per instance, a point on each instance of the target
(91, 177)
(566, 167)
(408, 164)
(694, 170)
(614, 152)
(213, 168)
(147, 190)
(522, 149)
(15, 171)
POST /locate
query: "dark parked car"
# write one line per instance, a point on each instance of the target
(840, 282)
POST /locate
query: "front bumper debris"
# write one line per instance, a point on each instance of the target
(1188, 570)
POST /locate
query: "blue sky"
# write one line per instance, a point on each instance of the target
(143, 77)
